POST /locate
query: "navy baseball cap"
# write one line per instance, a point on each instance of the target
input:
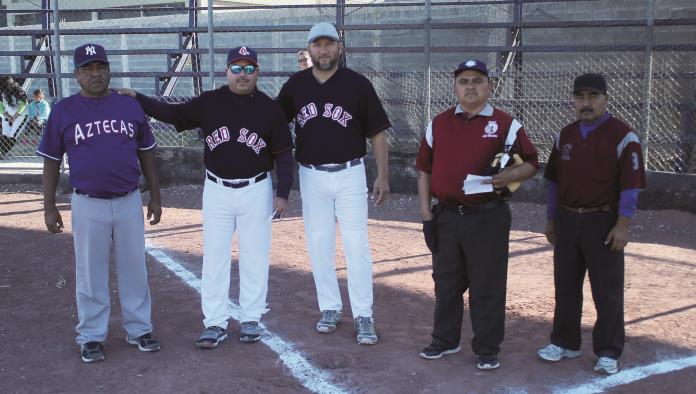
(322, 29)
(590, 81)
(472, 64)
(89, 53)
(242, 53)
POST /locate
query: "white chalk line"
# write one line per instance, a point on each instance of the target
(312, 378)
(626, 376)
(318, 381)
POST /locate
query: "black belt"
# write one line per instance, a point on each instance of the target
(601, 208)
(333, 168)
(237, 185)
(463, 210)
(102, 195)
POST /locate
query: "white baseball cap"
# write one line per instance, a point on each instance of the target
(322, 29)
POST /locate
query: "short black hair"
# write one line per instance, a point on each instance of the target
(38, 92)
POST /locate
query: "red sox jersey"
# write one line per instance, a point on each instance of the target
(454, 146)
(592, 172)
(242, 133)
(332, 119)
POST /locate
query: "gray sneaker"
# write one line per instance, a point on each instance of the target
(555, 353)
(328, 322)
(211, 337)
(365, 328)
(250, 332)
(606, 366)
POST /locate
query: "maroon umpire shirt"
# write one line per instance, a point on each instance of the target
(592, 172)
(332, 119)
(454, 147)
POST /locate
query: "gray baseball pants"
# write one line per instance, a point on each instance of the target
(98, 225)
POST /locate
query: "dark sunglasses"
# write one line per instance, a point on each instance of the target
(237, 69)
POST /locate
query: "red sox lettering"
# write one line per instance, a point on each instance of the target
(306, 113)
(222, 134)
(217, 137)
(252, 140)
(103, 126)
(336, 113)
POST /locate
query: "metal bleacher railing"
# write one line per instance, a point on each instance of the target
(407, 48)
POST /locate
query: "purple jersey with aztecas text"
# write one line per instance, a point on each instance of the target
(101, 137)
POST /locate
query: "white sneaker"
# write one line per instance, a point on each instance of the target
(606, 366)
(556, 353)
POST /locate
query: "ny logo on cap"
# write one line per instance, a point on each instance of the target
(470, 63)
(90, 50)
(243, 51)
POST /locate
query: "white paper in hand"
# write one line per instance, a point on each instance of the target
(473, 184)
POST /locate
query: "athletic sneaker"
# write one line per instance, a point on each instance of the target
(250, 332)
(556, 353)
(211, 337)
(365, 330)
(433, 352)
(487, 362)
(606, 366)
(145, 343)
(92, 352)
(328, 322)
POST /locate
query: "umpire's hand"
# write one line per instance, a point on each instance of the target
(54, 222)
(430, 234)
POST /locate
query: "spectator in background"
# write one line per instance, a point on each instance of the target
(38, 111)
(13, 101)
(303, 60)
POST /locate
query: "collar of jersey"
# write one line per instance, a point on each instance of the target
(486, 111)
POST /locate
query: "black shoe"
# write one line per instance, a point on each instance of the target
(145, 343)
(211, 337)
(92, 352)
(487, 362)
(433, 352)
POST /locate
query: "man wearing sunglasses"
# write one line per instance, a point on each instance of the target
(245, 133)
(334, 110)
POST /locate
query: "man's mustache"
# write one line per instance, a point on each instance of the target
(590, 110)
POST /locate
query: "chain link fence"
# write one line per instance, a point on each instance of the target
(534, 47)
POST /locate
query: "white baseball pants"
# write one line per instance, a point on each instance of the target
(247, 211)
(325, 197)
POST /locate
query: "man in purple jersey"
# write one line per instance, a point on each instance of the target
(334, 110)
(594, 173)
(245, 134)
(108, 141)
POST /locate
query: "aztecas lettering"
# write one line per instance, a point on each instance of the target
(89, 130)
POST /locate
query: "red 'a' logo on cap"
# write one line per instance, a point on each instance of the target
(243, 51)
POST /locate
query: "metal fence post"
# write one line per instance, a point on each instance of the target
(56, 50)
(647, 75)
(340, 20)
(426, 112)
(211, 45)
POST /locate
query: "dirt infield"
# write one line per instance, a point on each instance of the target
(37, 311)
